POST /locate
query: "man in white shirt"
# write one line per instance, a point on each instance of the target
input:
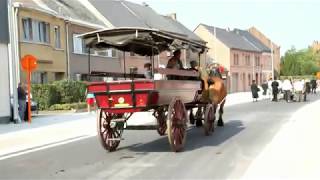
(287, 88)
(298, 88)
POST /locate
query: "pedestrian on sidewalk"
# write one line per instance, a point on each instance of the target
(313, 86)
(287, 88)
(90, 101)
(275, 89)
(265, 88)
(298, 88)
(306, 89)
(254, 91)
(21, 101)
(270, 88)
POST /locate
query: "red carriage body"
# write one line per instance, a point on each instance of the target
(124, 96)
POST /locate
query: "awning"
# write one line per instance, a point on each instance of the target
(142, 41)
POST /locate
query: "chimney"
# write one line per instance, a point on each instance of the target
(145, 4)
(173, 16)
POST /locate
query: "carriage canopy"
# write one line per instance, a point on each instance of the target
(142, 41)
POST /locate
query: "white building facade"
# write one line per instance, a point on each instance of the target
(5, 107)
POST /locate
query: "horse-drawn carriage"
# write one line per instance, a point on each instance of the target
(168, 99)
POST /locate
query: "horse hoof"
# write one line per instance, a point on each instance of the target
(220, 123)
(198, 123)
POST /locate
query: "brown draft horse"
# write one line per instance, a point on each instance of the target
(214, 91)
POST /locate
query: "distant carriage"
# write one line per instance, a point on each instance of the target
(168, 99)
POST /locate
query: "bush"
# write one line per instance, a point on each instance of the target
(59, 92)
(45, 95)
(71, 91)
(59, 107)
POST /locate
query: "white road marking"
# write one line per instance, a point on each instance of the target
(19, 153)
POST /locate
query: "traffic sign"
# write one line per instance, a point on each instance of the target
(29, 63)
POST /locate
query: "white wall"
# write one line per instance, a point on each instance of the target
(4, 82)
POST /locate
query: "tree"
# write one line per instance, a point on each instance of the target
(302, 62)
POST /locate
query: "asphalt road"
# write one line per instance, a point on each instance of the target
(145, 155)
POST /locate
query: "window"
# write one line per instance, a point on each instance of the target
(57, 39)
(257, 60)
(247, 58)
(59, 76)
(39, 77)
(36, 31)
(236, 59)
(79, 48)
(78, 45)
(27, 29)
(106, 53)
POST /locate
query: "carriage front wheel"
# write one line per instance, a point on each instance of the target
(177, 124)
(109, 132)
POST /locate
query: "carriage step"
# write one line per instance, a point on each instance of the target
(118, 120)
(115, 139)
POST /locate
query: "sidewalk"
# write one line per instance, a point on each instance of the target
(294, 151)
(51, 130)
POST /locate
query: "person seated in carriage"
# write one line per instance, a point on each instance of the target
(147, 73)
(193, 67)
(175, 63)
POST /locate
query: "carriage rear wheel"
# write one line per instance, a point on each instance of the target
(160, 115)
(209, 118)
(109, 132)
(177, 124)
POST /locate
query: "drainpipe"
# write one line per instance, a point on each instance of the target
(67, 49)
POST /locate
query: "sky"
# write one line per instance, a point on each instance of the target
(287, 23)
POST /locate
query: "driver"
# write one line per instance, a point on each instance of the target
(175, 63)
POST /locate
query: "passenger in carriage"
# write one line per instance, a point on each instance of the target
(193, 67)
(147, 73)
(175, 63)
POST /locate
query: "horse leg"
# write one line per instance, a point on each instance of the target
(215, 107)
(199, 116)
(220, 121)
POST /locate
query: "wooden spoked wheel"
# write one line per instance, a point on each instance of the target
(209, 118)
(109, 132)
(160, 115)
(177, 124)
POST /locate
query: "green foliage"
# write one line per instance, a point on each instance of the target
(59, 92)
(45, 95)
(71, 91)
(59, 107)
(302, 62)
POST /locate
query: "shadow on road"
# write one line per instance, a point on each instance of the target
(195, 139)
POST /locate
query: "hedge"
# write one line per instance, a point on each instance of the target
(45, 95)
(71, 91)
(57, 107)
(298, 77)
(59, 92)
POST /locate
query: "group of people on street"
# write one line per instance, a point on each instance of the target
(291, 90)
